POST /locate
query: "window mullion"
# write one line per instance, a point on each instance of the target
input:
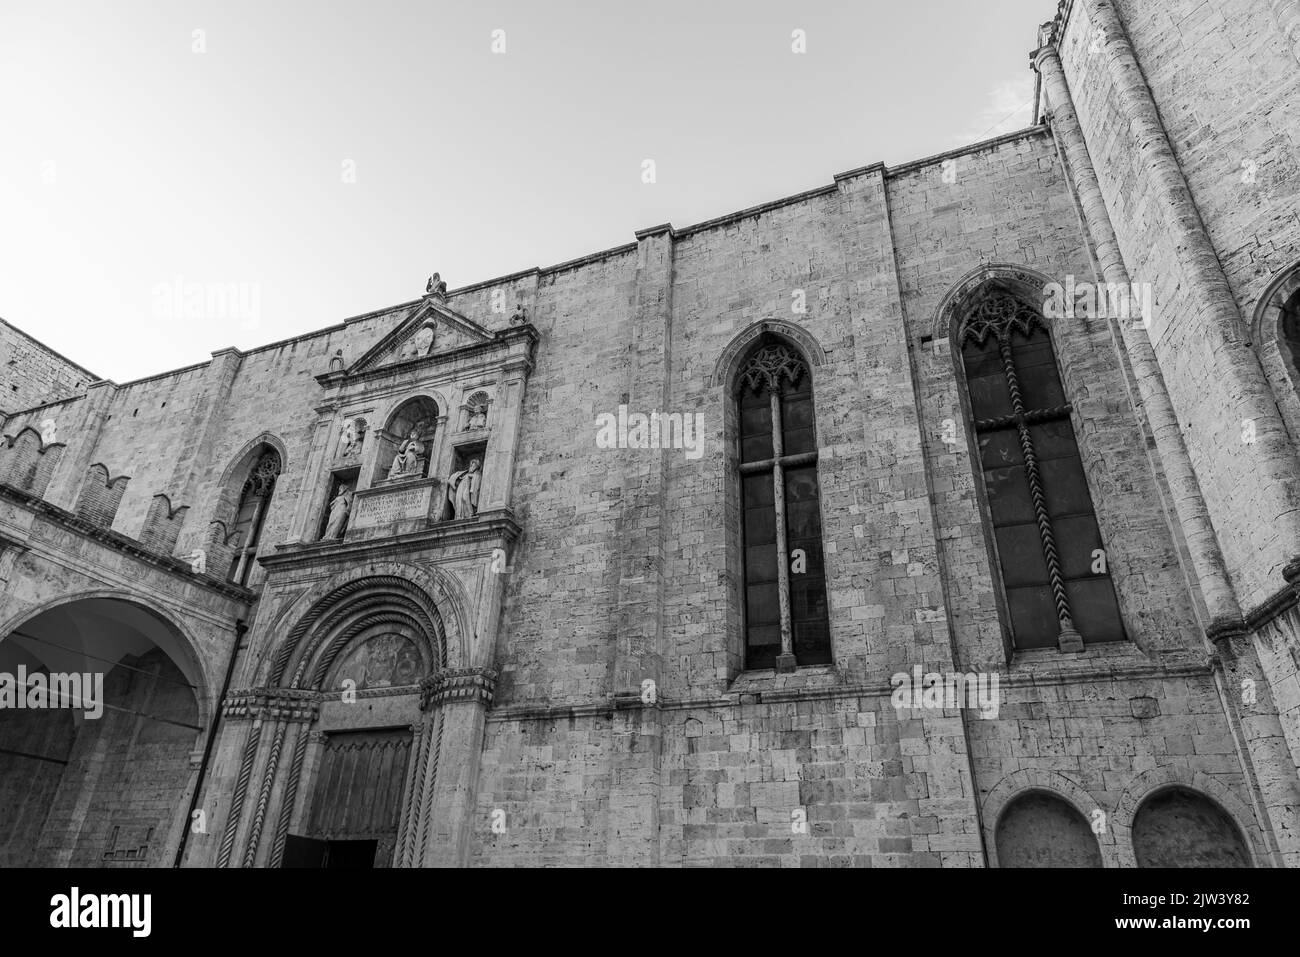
(785, 661)
(1046, 533)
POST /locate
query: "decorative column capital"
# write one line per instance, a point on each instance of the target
(284, 704)
(1042, 54)
(459, 684)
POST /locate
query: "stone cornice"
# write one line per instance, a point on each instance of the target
(495, 526)
(461, 684)
(606, 707)
(287, 704)
(127, 546)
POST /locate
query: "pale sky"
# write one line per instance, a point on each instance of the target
(320, 160)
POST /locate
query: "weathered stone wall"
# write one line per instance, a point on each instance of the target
(731, 776)
(1224, 85)
(33, 374)
(625, 575)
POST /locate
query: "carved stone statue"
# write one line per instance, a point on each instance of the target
(339, 509)
(420, 344)
(520, 315)
(336, 361)
(407, 460)
(462, 490)
(476, 411)
(435, 287)
(354, 433)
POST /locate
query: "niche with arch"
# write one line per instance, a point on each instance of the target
(405, 443)
(1179, 827)
(1039, 829)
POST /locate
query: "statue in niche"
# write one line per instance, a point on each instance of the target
(477, 407)
(406, 463)
(462, 490)
(435, 286)
(339, 509)
(520, 315)
(336, 361)
(354, 433)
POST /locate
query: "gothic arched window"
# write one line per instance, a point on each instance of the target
(786, 619)
(1049, 548)
(254, 500)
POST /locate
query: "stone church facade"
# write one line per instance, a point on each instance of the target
(638, 559)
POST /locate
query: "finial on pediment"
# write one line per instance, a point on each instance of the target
(436, 287)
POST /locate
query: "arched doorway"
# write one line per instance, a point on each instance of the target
(1041, 830)
(1179, 827)
(95, 762)
(347, 689)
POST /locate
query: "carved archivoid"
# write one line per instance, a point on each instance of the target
(381, 662)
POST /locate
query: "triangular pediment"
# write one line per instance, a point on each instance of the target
(432, 329)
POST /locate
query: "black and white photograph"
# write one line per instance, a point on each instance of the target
(681, 435)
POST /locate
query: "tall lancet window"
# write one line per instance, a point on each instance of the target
(786, 620)
(1049, 549)
(254, 500)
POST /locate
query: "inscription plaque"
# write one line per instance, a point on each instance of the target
(383, 506)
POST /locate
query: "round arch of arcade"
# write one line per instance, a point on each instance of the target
(135, 668)
(299, 719)
(184, 650)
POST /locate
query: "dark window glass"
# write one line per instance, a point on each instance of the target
(1045, 529)
(781, 535)
(250, 515)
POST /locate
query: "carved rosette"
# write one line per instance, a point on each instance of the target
(460, 684)
(284, 704)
